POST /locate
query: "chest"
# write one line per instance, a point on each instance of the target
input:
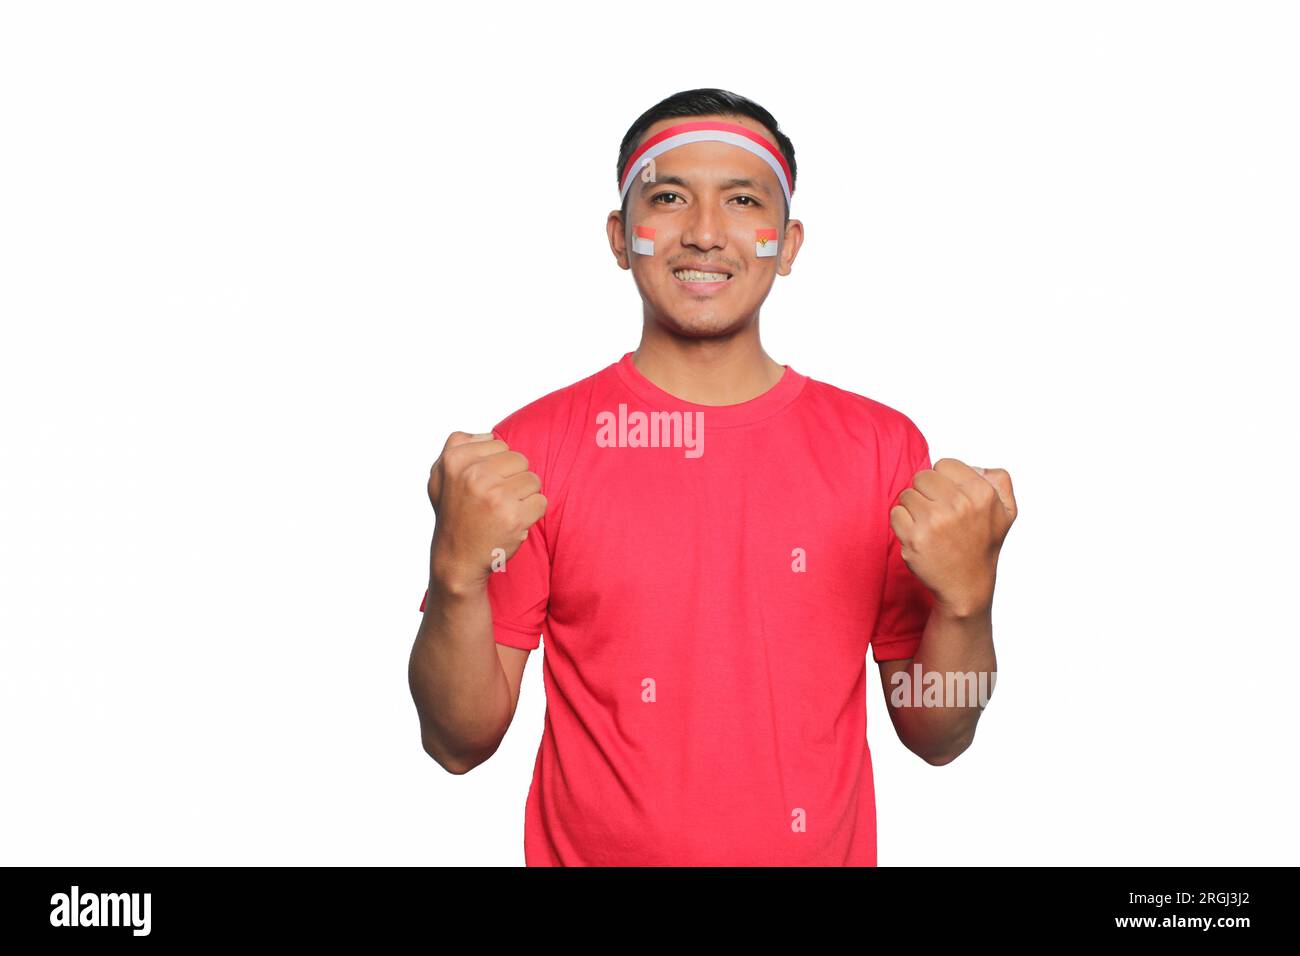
(765, 530)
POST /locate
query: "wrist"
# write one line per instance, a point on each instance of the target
(965, 610)
(451, 581)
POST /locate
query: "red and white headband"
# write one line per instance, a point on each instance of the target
(703, 131)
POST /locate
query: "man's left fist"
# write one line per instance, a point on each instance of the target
(951, 524)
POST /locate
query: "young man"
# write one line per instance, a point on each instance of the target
(710, 542)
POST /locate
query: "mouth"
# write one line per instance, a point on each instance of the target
(700, 281)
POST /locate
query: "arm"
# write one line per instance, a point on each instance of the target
(465, 685)
(955, 644)
(951, 525)
(465, 691)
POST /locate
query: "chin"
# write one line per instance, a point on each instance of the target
(702, 325)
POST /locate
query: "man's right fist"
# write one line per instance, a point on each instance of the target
(485, 498)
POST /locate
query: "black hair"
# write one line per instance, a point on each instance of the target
(703, 102)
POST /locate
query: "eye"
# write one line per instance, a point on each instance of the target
(752, 200)
(658, 196)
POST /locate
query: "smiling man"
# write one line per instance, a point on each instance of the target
(711, 543)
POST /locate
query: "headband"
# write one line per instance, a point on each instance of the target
(707, 130)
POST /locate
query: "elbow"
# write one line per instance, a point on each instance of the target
(453, 763)
(939, 757)
(458, 768)
(939, 760)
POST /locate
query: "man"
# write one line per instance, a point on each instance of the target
(710, 541)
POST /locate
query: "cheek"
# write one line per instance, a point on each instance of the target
(643, 240)
(765, 243)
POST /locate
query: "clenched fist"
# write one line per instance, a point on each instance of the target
(951, 524)
(485, 498)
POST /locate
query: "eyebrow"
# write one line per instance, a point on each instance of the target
(735, 182)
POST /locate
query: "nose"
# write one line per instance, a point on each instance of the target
(704, 226)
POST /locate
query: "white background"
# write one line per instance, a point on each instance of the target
(258, 259)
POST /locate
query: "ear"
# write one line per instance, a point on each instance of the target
(617, 230)
(790, 244)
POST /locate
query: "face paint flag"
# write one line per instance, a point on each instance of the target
(764, 242)
(643, 240)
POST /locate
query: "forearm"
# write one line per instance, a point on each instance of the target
(460, 690)
(958, 649)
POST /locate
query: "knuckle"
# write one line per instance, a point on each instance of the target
(477, 481)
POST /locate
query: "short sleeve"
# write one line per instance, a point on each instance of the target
(905, 602)
(520, 591)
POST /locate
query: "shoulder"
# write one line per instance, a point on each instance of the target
(866, 419)
(544, 427)
(542, 415)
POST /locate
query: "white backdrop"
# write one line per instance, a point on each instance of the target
(258, 259)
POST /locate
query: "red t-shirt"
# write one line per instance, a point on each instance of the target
(708, 584)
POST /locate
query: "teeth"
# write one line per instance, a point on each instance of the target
(693, 275)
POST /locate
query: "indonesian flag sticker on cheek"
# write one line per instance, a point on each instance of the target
(764, 242)
(643, 240)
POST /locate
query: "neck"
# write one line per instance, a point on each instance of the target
(721, 370)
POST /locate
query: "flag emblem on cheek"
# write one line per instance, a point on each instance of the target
(764, 242)
(643, 240)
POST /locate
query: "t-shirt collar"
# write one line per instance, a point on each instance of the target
(785, 391)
